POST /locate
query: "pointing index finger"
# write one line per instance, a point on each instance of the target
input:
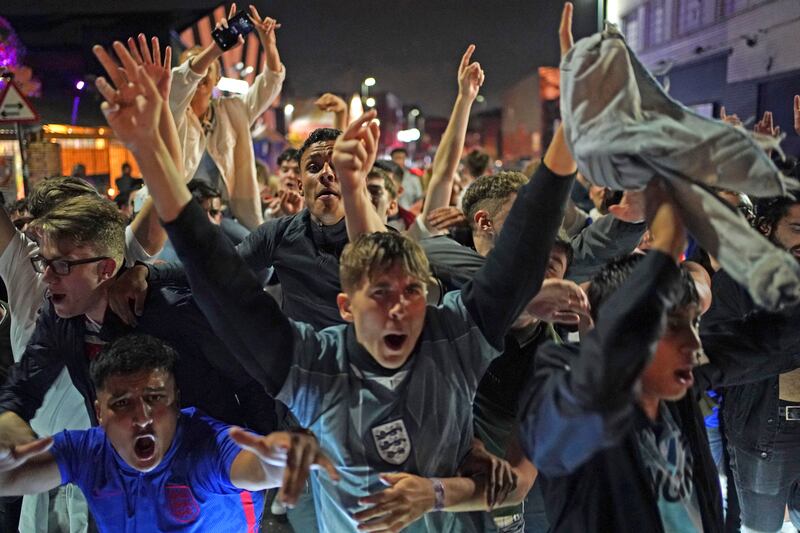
(466, 57)
(352, 130)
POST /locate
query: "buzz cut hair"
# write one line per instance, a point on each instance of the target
(489, 193)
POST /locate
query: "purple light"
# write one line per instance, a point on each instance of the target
(80, 85)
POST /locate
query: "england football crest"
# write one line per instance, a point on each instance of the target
(392, 441)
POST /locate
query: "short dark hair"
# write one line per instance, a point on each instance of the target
(388, 182)
(398, 150)
(53, 191)
(290, 154)
(202, 190)
(131, 354)
(770, 211)
(126, 165)
(562, 243)
(391, 167)
(477, 162)
(317, 136)
(490, 193)
(614, 274)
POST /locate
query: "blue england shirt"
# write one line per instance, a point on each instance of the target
(190, 490)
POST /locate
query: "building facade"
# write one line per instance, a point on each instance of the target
(741, 54)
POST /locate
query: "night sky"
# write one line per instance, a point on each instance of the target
(411, 47)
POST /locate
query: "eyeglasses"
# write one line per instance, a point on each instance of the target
(61, 267)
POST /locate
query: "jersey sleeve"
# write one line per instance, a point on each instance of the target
(70, 450)
(214, 470)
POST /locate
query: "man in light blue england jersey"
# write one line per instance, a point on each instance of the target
(389, 394)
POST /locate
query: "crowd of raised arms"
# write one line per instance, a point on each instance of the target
(479, 350)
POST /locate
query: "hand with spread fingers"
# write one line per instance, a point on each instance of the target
(497, 475)
(406, 500)
(133, 104)
(295, 452)
(265, 27)
(159, 70)
(733, 120)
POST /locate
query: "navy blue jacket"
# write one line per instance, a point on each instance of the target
(207, 376)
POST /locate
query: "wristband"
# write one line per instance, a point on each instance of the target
(438, 494)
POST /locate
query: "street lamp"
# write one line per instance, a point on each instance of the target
(370, 102)
(369, 82)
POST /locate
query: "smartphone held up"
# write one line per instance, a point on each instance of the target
(239, 24)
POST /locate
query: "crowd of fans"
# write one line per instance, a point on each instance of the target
(473, 351)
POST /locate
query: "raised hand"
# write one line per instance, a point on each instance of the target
(223, 23)
(796, 110)
(500, 477)
(765, 126)
(666, 224)
(296, 452)
(355, 151)
(132, 108)
(630, 209)
(470, 75)
(331, 102)
(733, 120)
(405, 501)
(265, 27)
(565, 29)
(12, 457)
(559, 301)
(158, 70)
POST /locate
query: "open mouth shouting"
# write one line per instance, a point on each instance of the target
(144, 447)
(394, 341)
(684, 376)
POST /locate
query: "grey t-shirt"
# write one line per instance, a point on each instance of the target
(370, 420)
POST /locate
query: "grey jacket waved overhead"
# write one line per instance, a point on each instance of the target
(624, 130)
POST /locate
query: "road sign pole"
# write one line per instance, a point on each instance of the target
(23, 158)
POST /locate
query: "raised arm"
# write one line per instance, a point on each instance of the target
(224, 287)
(588, 400)
(445, 162)
(334, 104)
(515, 268)
(28, 468)
(268, 83)
(353, 156)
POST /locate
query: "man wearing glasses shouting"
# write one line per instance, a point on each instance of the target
(81, 246)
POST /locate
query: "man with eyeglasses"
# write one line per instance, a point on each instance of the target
(81, 250)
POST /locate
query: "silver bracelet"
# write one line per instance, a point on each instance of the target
(438, 494)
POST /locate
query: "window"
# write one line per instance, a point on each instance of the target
(690, 15)
(656, 32)
(632, 31)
